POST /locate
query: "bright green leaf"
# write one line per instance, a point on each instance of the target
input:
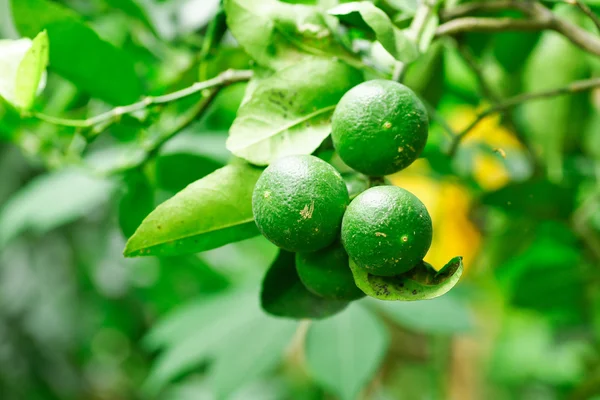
(31, 71)
(392, 38)
(276, 34)
(52, 200)
(284, 295)
(345, 351)
(12, 56)
(290, 112)
(420, 283)
(77, 52)
(209, 213)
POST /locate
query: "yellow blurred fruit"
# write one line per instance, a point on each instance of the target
(448, 204)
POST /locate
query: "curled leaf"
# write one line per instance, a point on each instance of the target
(420, 283)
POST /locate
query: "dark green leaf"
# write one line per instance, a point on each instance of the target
(420, 283)
(175, 171)
(289, 113)
(392, 38)
(209, 213)
(344, 352)
(78, 53)
(284, 295)
(137, 202)
(538, 199)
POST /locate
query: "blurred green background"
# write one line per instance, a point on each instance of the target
(79, 321)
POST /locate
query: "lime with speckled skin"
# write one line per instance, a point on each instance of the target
(379, 127)
(298, 203)
(327, 273)
(386, 230)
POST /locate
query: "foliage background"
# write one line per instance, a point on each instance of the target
(79, 321)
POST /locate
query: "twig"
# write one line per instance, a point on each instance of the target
(574, 87)
(225, 78)
(488, 92)
(586, 10)
(485, 6)
(482, 24)
(540, 18)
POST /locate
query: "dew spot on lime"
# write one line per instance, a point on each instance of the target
(387, 125)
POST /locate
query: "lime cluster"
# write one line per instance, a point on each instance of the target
(301, 203)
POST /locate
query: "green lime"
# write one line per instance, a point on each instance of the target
(298, 203)
(379, 127)
(386, 230)
(326, 273)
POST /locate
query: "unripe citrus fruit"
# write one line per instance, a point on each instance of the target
(298, 203)
(386, 230)
(326, 273)
(379, 127)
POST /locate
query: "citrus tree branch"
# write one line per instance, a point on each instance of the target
(539, 18)
(485, 6)
(574, 87)
(587, 11)
(225, 78)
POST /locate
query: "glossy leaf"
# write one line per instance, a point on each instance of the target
(278, 35)
(344, 352)
(391, 38)
(420, 283)
(290, 112)
(209, 213)
(77, 52)
(51, 201)
(284, 295)
(32, 71)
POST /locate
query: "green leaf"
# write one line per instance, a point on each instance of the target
(284, 295)
(31, 70)
(277, 35)
(193, 333)
(209, 213)
(229, 329)
(78, 53)
(420, 283)
(137, 202)
(344, 352)
(12, 56)
(290, 112)
(442, 315)
(52, 200)
(391, 38)
(255, 350)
